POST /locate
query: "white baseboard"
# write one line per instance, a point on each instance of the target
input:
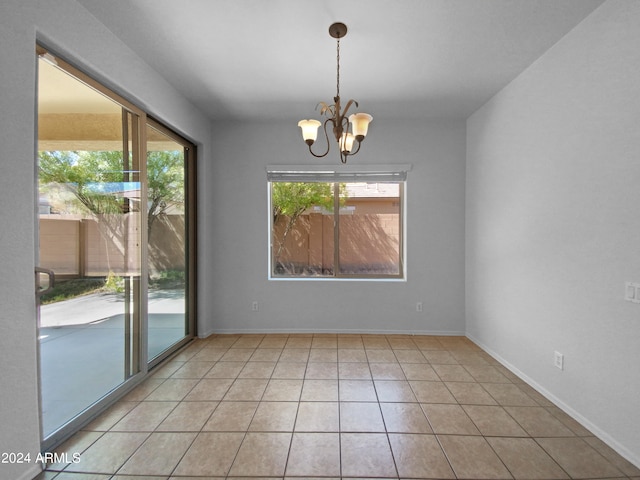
(276, 331)
(585, 422)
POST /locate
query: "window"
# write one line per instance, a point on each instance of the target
(342, 223)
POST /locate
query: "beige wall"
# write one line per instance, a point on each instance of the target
(368, 238)
(75, 247)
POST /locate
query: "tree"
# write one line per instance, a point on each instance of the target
(165, 184)
(97, 180)
(292, 199)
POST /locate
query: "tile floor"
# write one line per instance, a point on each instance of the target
(335, 406)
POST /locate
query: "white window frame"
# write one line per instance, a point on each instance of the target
(339, 174)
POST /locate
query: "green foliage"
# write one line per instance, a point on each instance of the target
(292, 199)
(165, 183)
(91, 175)
(114, 283)
(66, 289)
(84, 174)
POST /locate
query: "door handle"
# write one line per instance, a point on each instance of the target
(50, 274)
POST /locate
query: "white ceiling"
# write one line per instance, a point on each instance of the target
(401, 58)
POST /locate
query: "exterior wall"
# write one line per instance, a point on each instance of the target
(370, 239)
(75, 247)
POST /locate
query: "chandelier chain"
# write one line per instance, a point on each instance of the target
(338, 68)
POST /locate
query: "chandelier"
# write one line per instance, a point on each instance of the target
(338, 119)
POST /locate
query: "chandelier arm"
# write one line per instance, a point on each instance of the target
(349, 154)
(346, 108)
(326, 136)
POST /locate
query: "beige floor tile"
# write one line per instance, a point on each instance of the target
(112, 416)
(453, 373)
(351, 355)
(246, 389)
(439, 357)
(578, 458)
(193, 369)
(449, 419)
(225, 370)
(469, 358)
(172, 389)
(568, 422)
(387, 371)
(410, 356)
(366, 455)
(274, 417)
(295, 355)
(404, 418)
(470, 393)
(262, 455)
(494, 421)
(145, 417)
(431, 392)
(322, 371)
(394, 391)
(427, 342)
(211, 453)
(299, 342)
(401, 343)
(419, 456)
(319, 390)
(248, 341)
(143, 390)
(418, 371)
(237, 355)
(350, 341)
(188, 417)
(375, 342)
(486, 373)
(610, 454)
(354, 371)
(209, 354)
(291, 370)
(257, 370)
(509, 394)
(381, 356)
(79, 476)
(266, 355)
(231, 417)
(223, 341)
(76, 444)
(314, 454)
(109, 452)
(159, 454)
(360, 417)
(324, 342)
(526, 459)
(323, 355)
(357, 391)
(538, 422)
(284, 390)
(209, 389)
(472, 457)
(318, 417)
(273, 341)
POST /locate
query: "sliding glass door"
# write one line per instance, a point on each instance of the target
(170, 240)
(116, 235)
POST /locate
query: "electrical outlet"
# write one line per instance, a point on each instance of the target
(418, 306)
(254, 306)
(632, 292)
(558, 360)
